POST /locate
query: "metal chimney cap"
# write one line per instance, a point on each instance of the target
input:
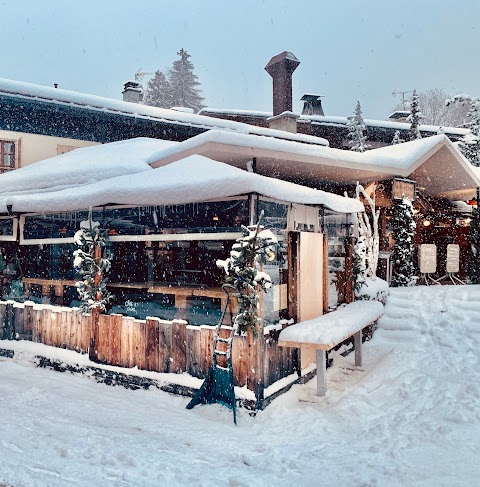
(286, 57)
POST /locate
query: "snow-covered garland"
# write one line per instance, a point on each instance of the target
(92, 290)
(243, 272)
(402, 252)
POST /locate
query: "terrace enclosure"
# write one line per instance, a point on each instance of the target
(167, 227)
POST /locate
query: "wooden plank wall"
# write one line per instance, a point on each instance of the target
(151, 344)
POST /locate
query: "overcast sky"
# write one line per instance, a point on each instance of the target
(349, 50)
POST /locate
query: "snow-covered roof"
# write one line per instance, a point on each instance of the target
(433, 162)
(390, 158)
(193, 179)
(84, 166)
(331, 120)
(341, 121)
(229, 111)
(92, 102)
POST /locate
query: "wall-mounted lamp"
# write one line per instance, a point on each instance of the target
(426, 223)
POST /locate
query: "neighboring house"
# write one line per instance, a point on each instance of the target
(19, 149)
(313, 121)
(379, 132)
(38, 122)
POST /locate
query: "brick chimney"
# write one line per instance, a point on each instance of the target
(132, 92)
(280, 68)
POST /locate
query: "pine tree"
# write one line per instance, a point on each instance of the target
(158, 92)
(242, 272)
(470, 143)
(402, 252)
(356, 130)
(397, 139)
(184, 84)
(414, 117)
(474, 239)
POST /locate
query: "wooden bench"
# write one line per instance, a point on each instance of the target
(327, 331)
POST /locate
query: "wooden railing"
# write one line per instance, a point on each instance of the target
(151, 344)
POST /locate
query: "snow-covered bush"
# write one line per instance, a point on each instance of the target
(243, 272)
(372, 290)
(92, 289)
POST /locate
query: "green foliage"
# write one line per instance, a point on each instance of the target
(415, 117)
(402, 252)
(242, 272)
(91, 294)
(184, 84)
(356, 131)
(158, 92)
(474, 238)
(178, 88)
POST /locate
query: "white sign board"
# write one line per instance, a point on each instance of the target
(428, 258)
(453, 258)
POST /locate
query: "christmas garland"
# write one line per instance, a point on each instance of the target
(92, 289)
(243, 272)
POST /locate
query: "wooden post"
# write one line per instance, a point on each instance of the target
(357, 343)
(10, 322)
(94, 336)
(179, 350)
(151, 344)
(95, 312)
(325, 273)
(292, 275)
(321, 373)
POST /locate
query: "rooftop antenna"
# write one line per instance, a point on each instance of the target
(139, 75)
(403, 93)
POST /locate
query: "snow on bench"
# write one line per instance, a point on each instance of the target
(327, 331)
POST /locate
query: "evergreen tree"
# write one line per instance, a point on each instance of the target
(184, 84)
(402, 252)
(242, 272)
(397, 139)
(470, 143)
(474, 238)
(356, 131)
(158, 92)
(414, 117)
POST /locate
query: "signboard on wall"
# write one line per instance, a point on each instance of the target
(428, 258)
(403, 188)
(453, 258)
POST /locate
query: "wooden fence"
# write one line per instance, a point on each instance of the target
(151, 344)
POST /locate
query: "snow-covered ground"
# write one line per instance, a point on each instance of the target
(410, 418)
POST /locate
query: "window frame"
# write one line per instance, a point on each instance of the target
(15, 144)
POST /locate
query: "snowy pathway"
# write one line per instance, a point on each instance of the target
(412, 417)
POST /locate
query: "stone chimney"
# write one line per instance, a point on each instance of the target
(280, 68)
(286, 121)
(132, 92)
(312, 105)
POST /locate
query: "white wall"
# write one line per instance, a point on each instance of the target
(32, 148)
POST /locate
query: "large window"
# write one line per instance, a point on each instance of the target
(7, 156)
